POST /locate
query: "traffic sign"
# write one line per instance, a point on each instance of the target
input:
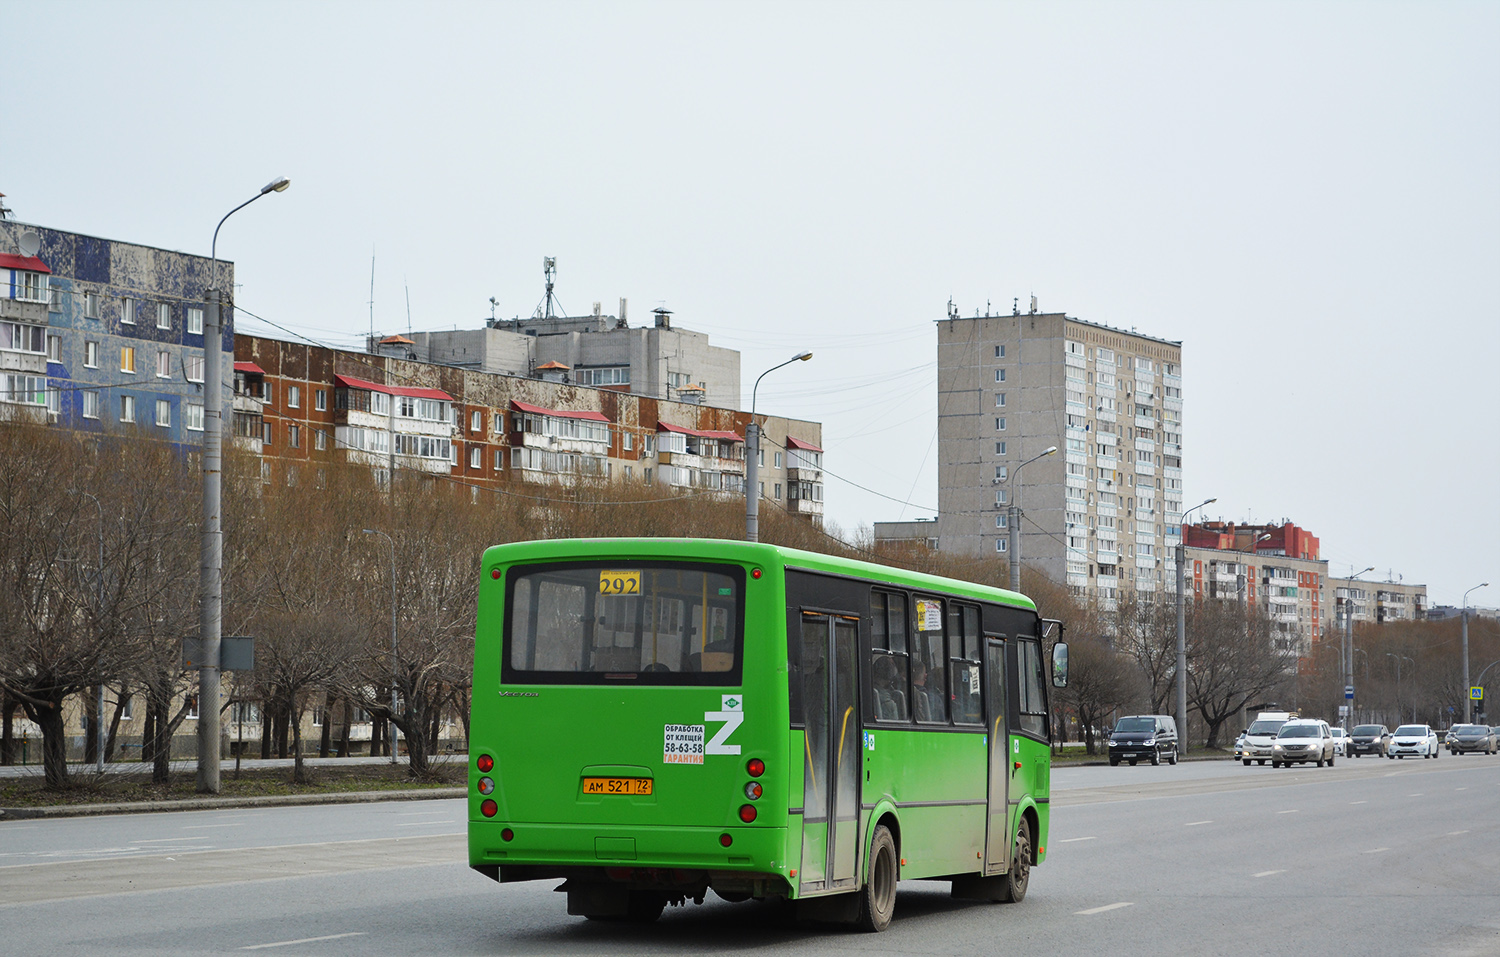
(1348, 692)
(1343, 710)
(1476, 694)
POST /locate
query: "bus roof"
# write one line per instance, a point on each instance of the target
(571, 548)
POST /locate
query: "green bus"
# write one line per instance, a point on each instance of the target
(654, 718)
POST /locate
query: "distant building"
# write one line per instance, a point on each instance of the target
(922, 531)
(1101, 514)
(98, 333)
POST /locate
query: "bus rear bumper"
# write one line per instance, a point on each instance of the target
(557, 850)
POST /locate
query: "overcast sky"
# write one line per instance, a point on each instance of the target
(1307, 195)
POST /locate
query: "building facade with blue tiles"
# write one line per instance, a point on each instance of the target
(97, 334)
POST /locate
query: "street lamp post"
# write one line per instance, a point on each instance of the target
(211, 584)
(1182, 735)
(1013, 519)
(1346, 649)
(1468, 702)
(1399, 659)
(395, 731)
(752, 455)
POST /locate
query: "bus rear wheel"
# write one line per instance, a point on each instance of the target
(1013, 891)
(877, 901)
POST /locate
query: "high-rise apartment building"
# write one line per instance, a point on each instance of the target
(1101, 514)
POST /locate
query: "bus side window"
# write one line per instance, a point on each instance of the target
(929, 691)
(1031, 700)
(889, 666)
(963, 663)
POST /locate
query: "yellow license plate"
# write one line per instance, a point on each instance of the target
(616, 785)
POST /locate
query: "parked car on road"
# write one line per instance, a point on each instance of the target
(1415, 741)
(1301, 741)
(1471, 737)
(1340, 741)
(1370, 739)
(1144, 736)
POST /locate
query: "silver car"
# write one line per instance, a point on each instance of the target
(1299, 742)
(1414, 741)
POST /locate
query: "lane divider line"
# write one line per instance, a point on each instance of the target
(1100, 910)
(1269, 873)
(1070, 840)
(305, 940)
(1376, 850)
(1196, 823)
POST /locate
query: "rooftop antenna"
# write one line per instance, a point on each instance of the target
(493, 304)
(544, 311)
(372, 296)
(1015, 305)
(408, 305)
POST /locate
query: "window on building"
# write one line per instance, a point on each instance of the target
(127, 359)
(127, 408)
(194, 368)
(163, 413)
(320, 400)
(320, 439)
(127, 311)
(1000, 424)
(499, 459)
(1002, 520)
(999, 375)
(476, 457)
(999, 448)
(91, 305)
(1001, 545)
(195, 320)
(627, 441)
(1001, 473)
(164, 315)
(54, 348)
(778, 490)
(265, 434)
(476, 421)
(778, 464)
(1002, 496)
(91, 404)
(294, 397)
(999, 352)
(999, 400)
(294, 436)
(192, 416)
(163, 364)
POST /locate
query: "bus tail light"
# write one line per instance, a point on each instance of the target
(747, 813)
(507, 835)
(489, 808)
(753, 790)
(486, 764)
(486, 786)
(725, 840)
(756, 767)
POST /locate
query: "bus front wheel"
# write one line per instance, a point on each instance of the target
(877, 901)
(1013, 891)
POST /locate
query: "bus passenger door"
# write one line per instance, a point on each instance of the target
(997, 826)
(833, 752)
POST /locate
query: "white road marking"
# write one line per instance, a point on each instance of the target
(199, 827)
(1417, 795)
(423, 823)
(1359, 802)
(1292, 811)
(1100, 910)
(1070, 840)
(1196, 823)
(174, 840)
(415, 813)
(305, 940)
(1456, 833)
(1269, 873)
(1376, 850)
(1456, 789)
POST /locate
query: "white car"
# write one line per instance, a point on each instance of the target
(1414, 740)
(1340, 741)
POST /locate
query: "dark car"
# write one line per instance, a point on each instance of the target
(1369, 739)
(1151, 737)
(1463, 738)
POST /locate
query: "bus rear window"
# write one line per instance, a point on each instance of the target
(645, 623)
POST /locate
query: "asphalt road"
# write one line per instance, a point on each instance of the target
(1366, 858)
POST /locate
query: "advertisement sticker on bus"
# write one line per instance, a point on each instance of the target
(683, 744)
(929, 615)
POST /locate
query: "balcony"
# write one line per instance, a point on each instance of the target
(1107, 462)
(1145, 421)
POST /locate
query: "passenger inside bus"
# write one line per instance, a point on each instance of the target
(890, 696)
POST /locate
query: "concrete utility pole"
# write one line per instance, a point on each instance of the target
(1013, 519)
(211, 551)
(752, 455)
(1182, 735)
(1468, 702)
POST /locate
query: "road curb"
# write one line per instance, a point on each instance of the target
(218, 803)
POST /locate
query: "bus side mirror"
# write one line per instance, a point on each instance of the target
(1060, 665)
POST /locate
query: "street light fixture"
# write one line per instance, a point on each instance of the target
(1182, 735)
(1468, 701)
(395, 731)
(1346, 647)
(752, 454)
(211, 550)
(1013, 519)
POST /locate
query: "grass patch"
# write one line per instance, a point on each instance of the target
(115, 786)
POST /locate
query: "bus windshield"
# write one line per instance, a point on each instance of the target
(646, 622)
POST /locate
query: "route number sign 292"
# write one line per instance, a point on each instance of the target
(614, 582)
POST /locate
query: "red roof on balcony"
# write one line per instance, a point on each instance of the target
(349, 382)
(554, 364)
(12, 261)
(710, 434)
(792, 443)
(249, 367)
(560, 413)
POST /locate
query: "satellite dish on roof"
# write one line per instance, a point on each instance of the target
(30, 243)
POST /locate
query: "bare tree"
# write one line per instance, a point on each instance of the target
(1232, 660)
